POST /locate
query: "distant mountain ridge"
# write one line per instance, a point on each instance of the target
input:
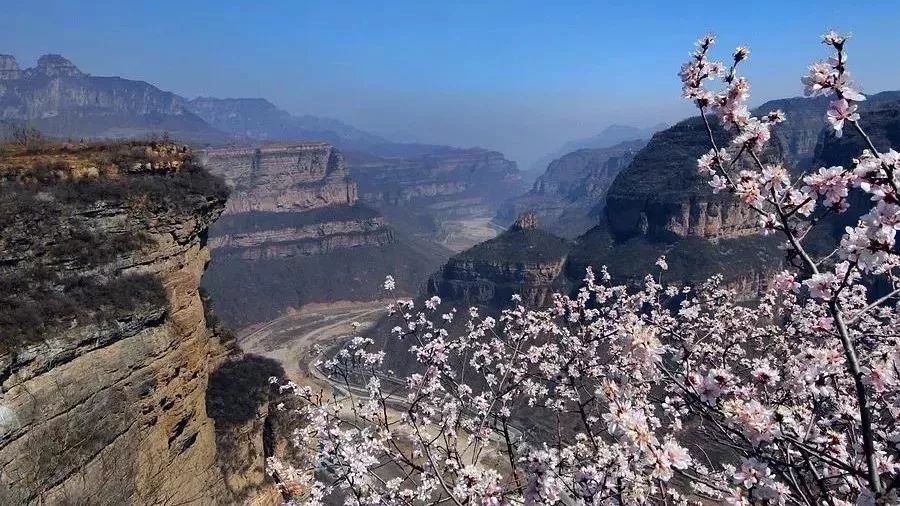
(569, 194)
(61, 100)
(259, 119)
(610, 136)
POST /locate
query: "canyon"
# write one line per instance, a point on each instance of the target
(658, 205)
(294, 232)
(570, 195)
(442, 195)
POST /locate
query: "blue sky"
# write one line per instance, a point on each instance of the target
(521, 77)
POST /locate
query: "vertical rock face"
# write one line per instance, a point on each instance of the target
(800, 133)
(294, 232)
(284, 178)
(105, 353)
(566, 195)
(661, 196)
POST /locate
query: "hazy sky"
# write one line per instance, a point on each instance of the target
(520, 77)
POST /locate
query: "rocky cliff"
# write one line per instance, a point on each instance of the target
(662, 197)
(439, 195)
(524, 260)
(105, 353)
(801, 131)
(294, 232)
(567, 196)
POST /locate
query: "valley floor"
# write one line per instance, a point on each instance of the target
(460, 235)
(291, 340)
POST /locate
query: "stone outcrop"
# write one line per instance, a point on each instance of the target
(294, 232)
(105, 352)
(289, 200)
(54, 65)
(284, 178)
(567, 196)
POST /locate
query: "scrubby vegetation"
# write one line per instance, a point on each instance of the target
(70, 213)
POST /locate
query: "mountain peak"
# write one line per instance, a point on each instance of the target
(526, 221)
(54, 65)
(9, 67)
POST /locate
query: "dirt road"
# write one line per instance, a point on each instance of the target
(291, 339)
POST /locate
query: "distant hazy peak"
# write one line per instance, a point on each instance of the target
(9, 67)
(54, 65)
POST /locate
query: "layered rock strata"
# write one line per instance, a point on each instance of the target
(294, 232)
(446, 196)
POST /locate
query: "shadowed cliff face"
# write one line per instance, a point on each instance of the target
(294, 232)
(661, 195)
(105, 353)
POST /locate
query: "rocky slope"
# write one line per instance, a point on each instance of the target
(105, 353)
(294, 232)
(432, 195)
(567, 196)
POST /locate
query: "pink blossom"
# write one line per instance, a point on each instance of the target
(831, 182)
(838, 112)
(718, 183)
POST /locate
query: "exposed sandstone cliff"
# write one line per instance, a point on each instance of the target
(662, 197)
(105, 353)
(294, 232)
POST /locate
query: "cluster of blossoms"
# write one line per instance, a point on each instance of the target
(649, 394)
